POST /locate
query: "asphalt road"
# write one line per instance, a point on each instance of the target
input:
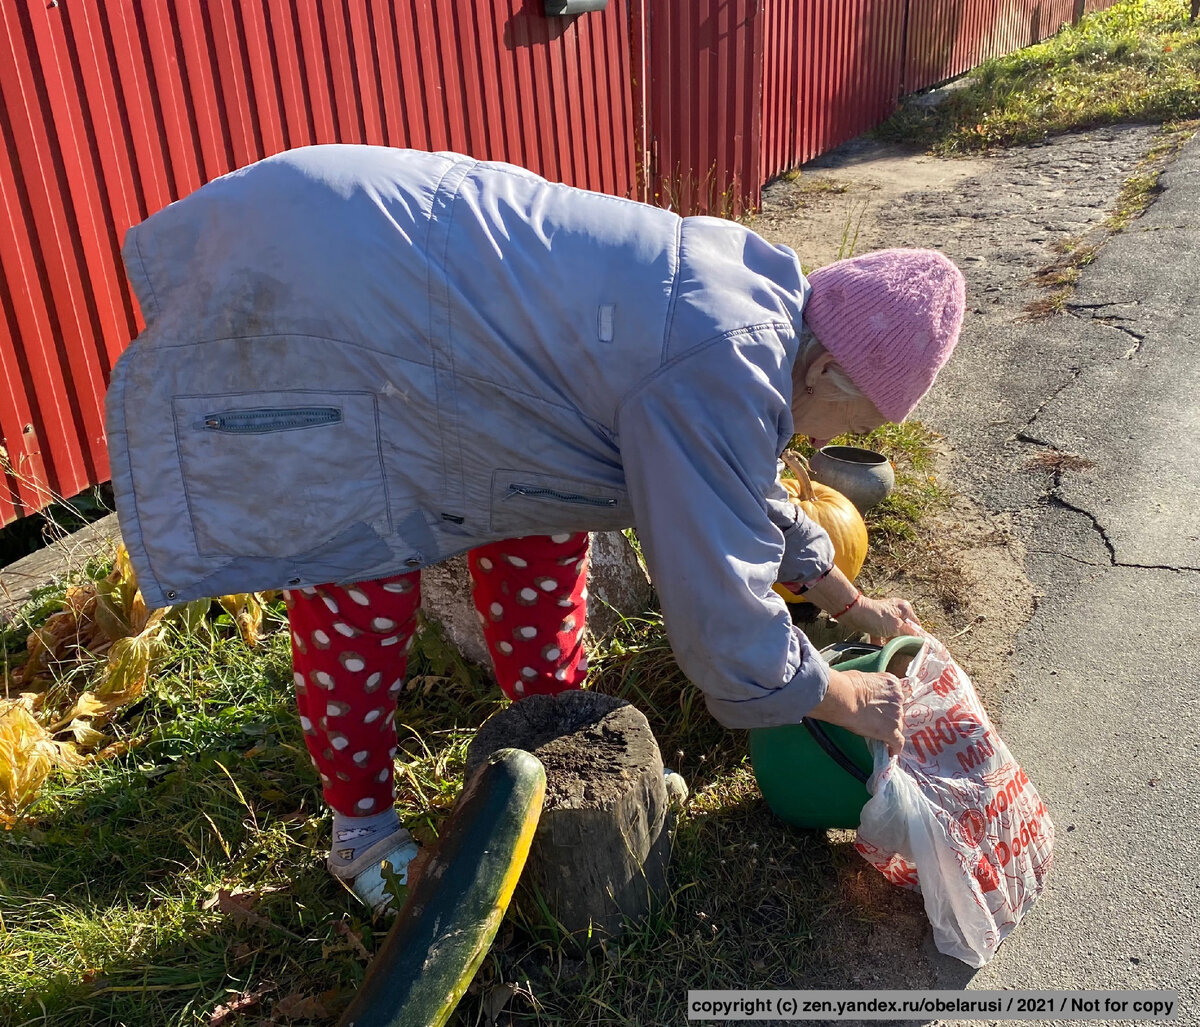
(1105, 718)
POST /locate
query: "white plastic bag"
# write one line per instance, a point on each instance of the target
(954, 817)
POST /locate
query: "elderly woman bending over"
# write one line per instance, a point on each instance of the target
(359, 361)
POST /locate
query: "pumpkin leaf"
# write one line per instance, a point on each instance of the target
(247, 613)
(86, 705)
(190, 617)
(129, 663)
(28, 755)
(123, 611)
(87, 737)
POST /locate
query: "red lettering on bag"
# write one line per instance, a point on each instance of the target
(916, 739)
(901, 873)
(965, 722)
(976, 754)
(946, 683)
(986, 875)
(926, 744)
(1008, 795)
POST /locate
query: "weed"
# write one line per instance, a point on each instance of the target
(1138, 61)
(1077, 252)
(1054, 460)
(700, 192)
(822, 186)
(850, 231)
(1136, 195)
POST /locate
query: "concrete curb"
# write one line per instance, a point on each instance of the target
(59, 561)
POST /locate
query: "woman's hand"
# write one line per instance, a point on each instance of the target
(871, 705)
(881, 618)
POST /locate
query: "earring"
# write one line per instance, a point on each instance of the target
(808, 389)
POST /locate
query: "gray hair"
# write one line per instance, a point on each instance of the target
(810, 350)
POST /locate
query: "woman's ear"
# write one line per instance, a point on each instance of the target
(816, 370)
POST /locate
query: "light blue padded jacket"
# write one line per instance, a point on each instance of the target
(359, 361)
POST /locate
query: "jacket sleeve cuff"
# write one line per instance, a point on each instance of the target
(807, 548)
(788, 704)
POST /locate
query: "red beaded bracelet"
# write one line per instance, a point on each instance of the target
(848, 608)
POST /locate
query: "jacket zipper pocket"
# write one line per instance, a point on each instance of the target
(262, 421)
(534, 492)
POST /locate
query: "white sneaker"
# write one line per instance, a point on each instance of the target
(677, 789)
(364, 876)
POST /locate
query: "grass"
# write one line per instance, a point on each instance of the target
(1138, 61)
(182, 883)
(111, 892)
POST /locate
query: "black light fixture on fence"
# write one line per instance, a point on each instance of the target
(565, 8)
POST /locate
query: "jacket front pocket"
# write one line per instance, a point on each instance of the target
(280, 474)
(526, 502)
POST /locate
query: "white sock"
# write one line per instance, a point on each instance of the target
(352, 835)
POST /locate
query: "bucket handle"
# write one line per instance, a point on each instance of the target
(901, 644)
(830, 748)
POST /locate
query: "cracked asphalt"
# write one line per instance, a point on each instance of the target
(1105, 716)
(1083, 430)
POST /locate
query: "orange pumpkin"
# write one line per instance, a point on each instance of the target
(834, 512)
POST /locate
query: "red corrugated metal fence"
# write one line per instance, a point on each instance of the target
(704, 103)
(826, 71)
(110, 111)
(832, 72)
(945, 40)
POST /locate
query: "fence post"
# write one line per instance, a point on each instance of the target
(1195, 9)
(1080, 6)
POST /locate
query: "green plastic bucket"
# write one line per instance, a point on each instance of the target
(814, 774)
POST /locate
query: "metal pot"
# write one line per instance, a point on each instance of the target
(861, 475)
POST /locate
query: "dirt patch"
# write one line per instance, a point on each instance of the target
(832, 206)
(965, 576)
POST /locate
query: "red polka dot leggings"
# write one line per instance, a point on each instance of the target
(350, 647)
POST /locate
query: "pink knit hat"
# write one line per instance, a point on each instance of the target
(890, 319)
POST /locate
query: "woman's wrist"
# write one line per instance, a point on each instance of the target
(848, 607)
(835, 592)
(841, 701)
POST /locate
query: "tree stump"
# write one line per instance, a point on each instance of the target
(603, 842)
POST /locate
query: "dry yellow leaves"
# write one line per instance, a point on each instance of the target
(28, 755)
(107, 621)
(247, 613)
